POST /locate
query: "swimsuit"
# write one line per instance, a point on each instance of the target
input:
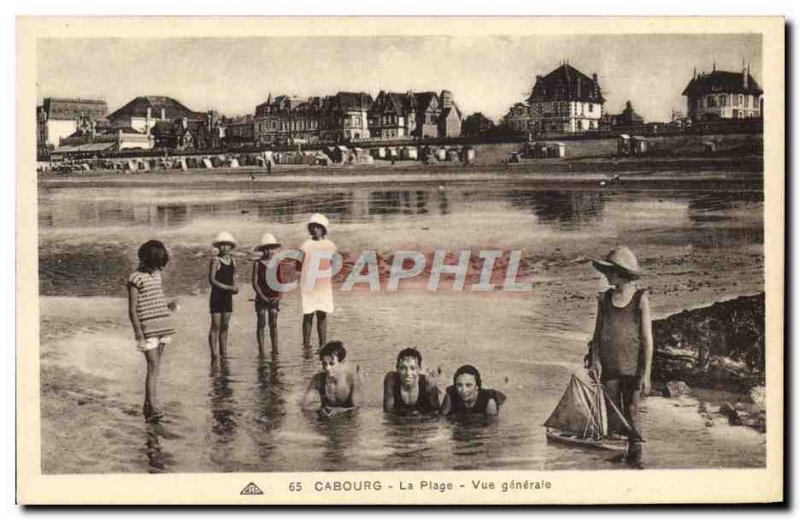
(620, 337)
(273, 297)
(423, 404)
(222, 300)
(457, 406)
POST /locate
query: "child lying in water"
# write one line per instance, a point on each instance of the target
(336, 386)
(468, 397)
(406, 390)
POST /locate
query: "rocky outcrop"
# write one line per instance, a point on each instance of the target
(720, 347)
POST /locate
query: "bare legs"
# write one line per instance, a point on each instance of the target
(218, 334)
(273, 328)
(322, 328)
(153, 359)
(261, 323)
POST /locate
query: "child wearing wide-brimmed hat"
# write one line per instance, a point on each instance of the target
(621, 351)
(266, 277)
(316, 278)
(222, 277)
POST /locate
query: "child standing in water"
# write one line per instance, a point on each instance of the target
(316, 279)
(468, 397)
(150, 316)
(268, 299)
(222, 277)
(621, 352)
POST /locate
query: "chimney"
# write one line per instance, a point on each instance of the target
(714, 67)
(746, 77)
(163, 113)
(447, 99)
(149, 113)
(694, 73)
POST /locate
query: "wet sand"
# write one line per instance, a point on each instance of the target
(699, 245)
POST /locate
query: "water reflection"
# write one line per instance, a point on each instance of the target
(353, 206)
(409, 440)
(222, 406)
(475, 441)
(398, 203)
(155, 454)
(271, 403)
(563, 207)
(340, 432)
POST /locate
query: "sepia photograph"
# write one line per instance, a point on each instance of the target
(326, 260)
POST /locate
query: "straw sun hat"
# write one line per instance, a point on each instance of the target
(319, 219)
(267, 240)
(621, 260)
(223, 237)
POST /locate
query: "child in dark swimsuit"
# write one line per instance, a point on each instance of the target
(268, 299)
(621, 353)
(468, 397)
(336, 386)
(222, 277)
(406, 391)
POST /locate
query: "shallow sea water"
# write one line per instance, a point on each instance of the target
(698, 247)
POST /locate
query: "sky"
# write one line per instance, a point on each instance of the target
(485, 73)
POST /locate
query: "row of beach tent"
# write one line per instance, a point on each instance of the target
(326, 156)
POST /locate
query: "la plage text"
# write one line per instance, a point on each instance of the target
(441, 486)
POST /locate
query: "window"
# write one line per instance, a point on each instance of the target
(591, 108)
(711, 101)
(723, 100)
(740, 100)
(747, 101)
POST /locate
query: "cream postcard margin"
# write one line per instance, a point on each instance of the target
(565, 487)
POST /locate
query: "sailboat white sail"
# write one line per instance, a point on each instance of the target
(586, 416)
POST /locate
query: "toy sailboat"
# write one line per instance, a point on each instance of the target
(587, 417)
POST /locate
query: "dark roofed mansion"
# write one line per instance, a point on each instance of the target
(723, 95)
(142, 112)
(564, 101)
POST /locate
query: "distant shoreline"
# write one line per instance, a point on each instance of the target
(644, 173)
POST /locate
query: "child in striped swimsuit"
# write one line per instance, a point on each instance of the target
(150, 316)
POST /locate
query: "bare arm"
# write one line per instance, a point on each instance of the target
(595, 345)
(311, 397)
(355, 387)
(388, 392)
(133, 301)
(647, 344)
(445, 409)
(213, 267)
(432, 389)
(491, 407)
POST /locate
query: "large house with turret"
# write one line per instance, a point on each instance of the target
(723, 95)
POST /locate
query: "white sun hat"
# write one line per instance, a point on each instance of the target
(223, 237)
(620, 259)
(268, 240)
(320, 219)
